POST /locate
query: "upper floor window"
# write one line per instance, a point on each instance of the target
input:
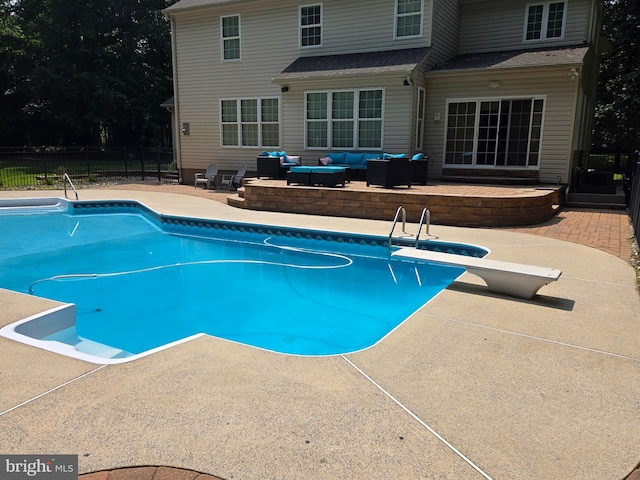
(230, 27)
(409, 18)
(545, 21)
(311, 26)
(250, 122)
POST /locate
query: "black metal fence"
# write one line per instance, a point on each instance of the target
(632, 194)
(598, 172)
(33, 166)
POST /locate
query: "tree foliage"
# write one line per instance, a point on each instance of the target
(84, 72)
(617, 122)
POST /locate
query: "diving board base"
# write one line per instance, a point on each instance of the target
(507, 278)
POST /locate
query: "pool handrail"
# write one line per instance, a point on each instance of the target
(64, 182)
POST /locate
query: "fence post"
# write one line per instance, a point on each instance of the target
(126, 164)
(88, 159)
(159, 160)
(142, 162)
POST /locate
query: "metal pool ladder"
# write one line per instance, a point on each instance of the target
(425, 219)
(64, 181)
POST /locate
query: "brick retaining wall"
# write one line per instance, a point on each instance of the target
(381, 204)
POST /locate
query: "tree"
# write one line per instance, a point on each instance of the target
(87, 72)
(617, 122)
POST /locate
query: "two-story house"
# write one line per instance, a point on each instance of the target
(486, 87)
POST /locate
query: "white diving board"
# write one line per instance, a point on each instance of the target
(514, 279)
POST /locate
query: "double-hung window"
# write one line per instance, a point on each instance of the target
(494, 133)
(349, 119)
(409, 18)
(311, 26)
(230, 28)
(250, 122)
(545, 21)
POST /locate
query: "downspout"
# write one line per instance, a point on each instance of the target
(176, 98)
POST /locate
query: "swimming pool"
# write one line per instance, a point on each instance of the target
(135, 281)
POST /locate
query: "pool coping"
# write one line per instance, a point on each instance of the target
(558, 398)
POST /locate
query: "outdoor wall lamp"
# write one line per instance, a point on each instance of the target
(185, 129)
(284, 89)
(494, 83)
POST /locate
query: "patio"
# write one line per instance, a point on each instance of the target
(474, 385)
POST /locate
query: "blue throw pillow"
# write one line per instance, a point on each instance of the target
(418, 156)
(337, 157)
(387, 156)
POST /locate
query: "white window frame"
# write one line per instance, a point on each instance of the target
(397, 16)
(259, 122)
(356, 119)
(420, 117)
(478, 102)
(545, 21)
(223, 39)
(301, 27)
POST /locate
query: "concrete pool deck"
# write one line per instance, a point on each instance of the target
(474, 385)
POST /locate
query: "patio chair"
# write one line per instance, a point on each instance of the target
(208, 178)
(389, 173)
(234, 181)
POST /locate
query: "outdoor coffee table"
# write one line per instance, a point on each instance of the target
(325, 176)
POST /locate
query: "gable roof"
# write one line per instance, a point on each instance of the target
(516, 58)
(368, 63)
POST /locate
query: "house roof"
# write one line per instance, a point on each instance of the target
(369, 63)
(167, 103)
(516, 58)
(188, 4)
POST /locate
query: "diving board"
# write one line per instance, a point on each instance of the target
(514, 279)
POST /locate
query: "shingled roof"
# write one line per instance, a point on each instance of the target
(516, 58)
(189, 4)
(389, 61)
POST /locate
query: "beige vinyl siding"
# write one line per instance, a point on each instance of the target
(204, 79)
(269, 43)
(559, 91)
(499, 25)
(446, 21)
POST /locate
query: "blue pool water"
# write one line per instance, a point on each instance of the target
(140, 280)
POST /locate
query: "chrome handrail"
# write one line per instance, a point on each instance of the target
(395, 220)
(426, 213)
(64, 181)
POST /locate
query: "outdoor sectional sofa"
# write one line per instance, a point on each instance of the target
(357, 165)
(356, 162)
